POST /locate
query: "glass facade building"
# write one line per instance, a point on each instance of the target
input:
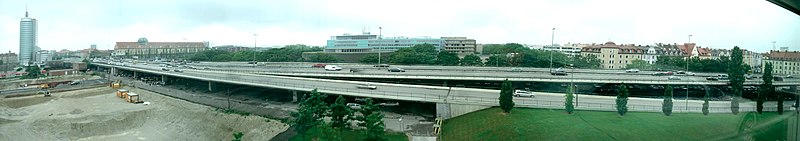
(374, 43)
(28, 36)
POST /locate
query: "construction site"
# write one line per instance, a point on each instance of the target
(116, 111)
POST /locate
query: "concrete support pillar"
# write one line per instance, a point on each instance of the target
(294, 96)
(164, 79)
(135, 76)
(209, 86)
(113, 71)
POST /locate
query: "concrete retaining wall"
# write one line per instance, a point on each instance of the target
(448, 111)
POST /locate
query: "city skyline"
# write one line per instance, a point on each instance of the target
(77, 25)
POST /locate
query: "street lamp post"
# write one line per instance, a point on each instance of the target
(552, 37)
(255, 45)
(686, 105)
(380, 36)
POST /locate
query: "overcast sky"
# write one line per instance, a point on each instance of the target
(73, 25)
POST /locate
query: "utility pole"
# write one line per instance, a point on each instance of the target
(690, 38)
(255, 46)
(552, 37)
(380, 36)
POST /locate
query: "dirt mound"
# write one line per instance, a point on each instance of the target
(97, 114)
(23, 102)
(91, 125)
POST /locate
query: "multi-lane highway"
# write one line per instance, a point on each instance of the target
(474, 73)
(434, 94)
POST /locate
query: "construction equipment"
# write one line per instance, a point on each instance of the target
(133, 98)
(44, 86)
(122, 93)
(45, 92)
(116, 84)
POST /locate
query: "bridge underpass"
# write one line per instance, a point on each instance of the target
(252, 93)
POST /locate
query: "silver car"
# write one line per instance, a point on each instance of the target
(366, 86)
(522, 93)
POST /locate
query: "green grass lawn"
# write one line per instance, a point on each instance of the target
(545, 124)
(346, 135)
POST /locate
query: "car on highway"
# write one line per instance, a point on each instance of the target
(718, 77)
(663, 73)
(515, 70)
(685, 73)
(354, 106)
(177, 70)
(558, 71)
(632, 71)
(777, 78)
(673, 78)
(355, 70)
(396, 70)
(332, 68)
(165, 69)
(394, 103)
(381, 65)
(789, 76)
(522, 93)
(366, 86)
(318, 65)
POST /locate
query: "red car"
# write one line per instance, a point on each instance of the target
(318, 65)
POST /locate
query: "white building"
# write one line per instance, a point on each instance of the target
(43, 56)
(569, 48)
(650, 55)
(27, 40)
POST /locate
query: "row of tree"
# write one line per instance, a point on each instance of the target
(289, 53)
(313, 109)
(503, 55)
(694, 64)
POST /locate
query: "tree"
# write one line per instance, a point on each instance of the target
(321, 57)
(497, 61)
(736, 76)
(447, 58)
(587, 62)
(506, 96)
(237, 136)
(417, 54)
(375, 127)
(340, 114)
(666, 106)
(33, 71)
(568, 101)
(622, 100)
(766, 89)
(310, 112)
(369, 59)
(471, 60)
(368, 108)
(304, 117)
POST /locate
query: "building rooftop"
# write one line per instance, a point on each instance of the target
(784, 55)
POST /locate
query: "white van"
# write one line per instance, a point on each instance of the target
(332, 68)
